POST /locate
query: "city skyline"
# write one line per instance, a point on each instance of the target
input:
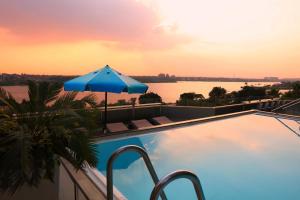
(146, 37)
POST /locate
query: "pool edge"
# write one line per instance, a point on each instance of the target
(146, 130)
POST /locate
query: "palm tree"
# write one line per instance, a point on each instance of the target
(36, 132)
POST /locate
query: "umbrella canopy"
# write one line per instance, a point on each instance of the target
(105, 80)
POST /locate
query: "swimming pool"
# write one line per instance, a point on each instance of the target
(246, 157)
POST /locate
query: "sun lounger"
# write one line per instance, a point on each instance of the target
(116, 127)
(162, 120)
(142, 123)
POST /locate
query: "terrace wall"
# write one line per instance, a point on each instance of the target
(125, 114)
(179, 113)
(220, 110)
(175, 113)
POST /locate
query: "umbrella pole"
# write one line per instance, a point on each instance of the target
(105, 112)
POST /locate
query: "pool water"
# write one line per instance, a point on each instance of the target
(243, 158)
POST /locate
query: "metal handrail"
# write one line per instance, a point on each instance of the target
(114, 156)
(292, 103)
(174, 176)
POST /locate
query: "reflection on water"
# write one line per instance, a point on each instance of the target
(293, 126)
(169, 92)
(238, 158)
(124, 160)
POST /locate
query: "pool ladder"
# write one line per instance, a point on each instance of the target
(159, 184)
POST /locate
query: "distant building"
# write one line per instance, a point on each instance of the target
(271, 78)
(161, 75)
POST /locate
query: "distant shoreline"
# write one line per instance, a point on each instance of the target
(229, 81)
(21, 79)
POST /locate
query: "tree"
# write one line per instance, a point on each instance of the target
(120, 102)
(217, 93)
(34, 133)
(190, 98)
(273, 92)
(251, 92)
(149, 98)
(294, 93)
(233, 97)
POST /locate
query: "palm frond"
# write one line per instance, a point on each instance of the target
(64, 101)
(41, 94)
(9, 101)
(3, 93)
(53, 92)
(33, 91)
(90, 100)
(80, 150)
(15, 156)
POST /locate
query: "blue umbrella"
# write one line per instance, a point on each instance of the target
(105, 80)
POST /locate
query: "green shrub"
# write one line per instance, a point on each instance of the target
(190, 99)
(294, 93)
(150, 98)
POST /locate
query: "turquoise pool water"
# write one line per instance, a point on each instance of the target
(243, 158)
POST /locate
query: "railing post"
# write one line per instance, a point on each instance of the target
(75, 192)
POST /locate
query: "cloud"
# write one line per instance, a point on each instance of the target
(129, 23)
(160, 37)
(92, 18)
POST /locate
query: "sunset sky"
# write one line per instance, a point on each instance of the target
(231, 38)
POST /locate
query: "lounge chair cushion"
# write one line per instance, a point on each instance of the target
(162, 120)
(116, 127)
(142, 123)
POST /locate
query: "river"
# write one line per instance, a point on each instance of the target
(169, 92)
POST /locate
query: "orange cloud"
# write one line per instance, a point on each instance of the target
(128, 23)
(77, 19)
